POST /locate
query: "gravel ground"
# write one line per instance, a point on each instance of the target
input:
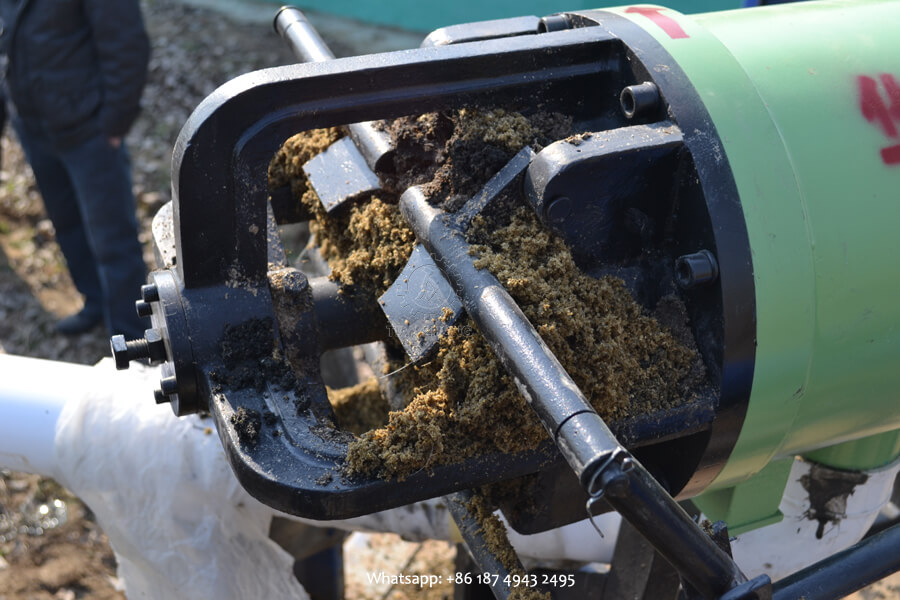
(50, 546)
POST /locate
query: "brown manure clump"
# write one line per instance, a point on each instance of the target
(462, 403)
(359, 408)
(367, 245)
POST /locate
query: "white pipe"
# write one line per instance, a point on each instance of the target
(32, 395)
(790, 545)
(108, 410)
(577, 542)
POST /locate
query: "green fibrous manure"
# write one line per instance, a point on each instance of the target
(286, 168)
(359, 408)
(620, 357)
(366, 245)
(463, 402)
(493, 531)
(482, 142)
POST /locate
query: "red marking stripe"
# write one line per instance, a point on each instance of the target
(891, 155)
(884, 115)
(872, 104)
(664, 22)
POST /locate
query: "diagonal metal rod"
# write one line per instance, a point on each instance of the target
(592, 451)
(497, 576)
(843, 573)
(308, 46)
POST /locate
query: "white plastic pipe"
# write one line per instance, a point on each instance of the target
(32, 395)
(577, 542)
(790, 545)
(95, 429)
(34, 392)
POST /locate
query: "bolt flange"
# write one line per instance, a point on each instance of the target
(693, 270)
(151, 347)
(150, 293)
(144, 309)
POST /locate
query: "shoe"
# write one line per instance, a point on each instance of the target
(80, 322)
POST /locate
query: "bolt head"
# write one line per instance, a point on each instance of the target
(160, 397)
(144, 309)
(150, 293)
(119, 351)
(169, 385)
(156, 345)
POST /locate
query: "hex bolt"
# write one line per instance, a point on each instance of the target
(554, 23)
(693, 270)
(151, 346)
(143, 308)
(169, 385)
(150, 293)
(160, 397)
(157, 346)
(639, 100)
(126, 351)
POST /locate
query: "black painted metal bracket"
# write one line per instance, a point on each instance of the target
(291, 458)
(278, 432)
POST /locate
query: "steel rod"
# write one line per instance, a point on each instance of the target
(344, 319)
(843, 573)
(496, 575)
(308, 46)
(585, 441)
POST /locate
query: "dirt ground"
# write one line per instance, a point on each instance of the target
(50, 545)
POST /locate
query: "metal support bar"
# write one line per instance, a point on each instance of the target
(843, 573)
(638, 572)
(292, 25)
(343, 319)
(592, 451)
(473, 536)
(482, 30)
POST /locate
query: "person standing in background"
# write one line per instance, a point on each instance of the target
(74, 73)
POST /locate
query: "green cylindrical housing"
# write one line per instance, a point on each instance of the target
(806, 101)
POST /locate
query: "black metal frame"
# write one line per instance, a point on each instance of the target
(220, 193)
(219, 238)
(221, 243)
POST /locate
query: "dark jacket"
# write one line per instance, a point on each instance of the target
(75, 68)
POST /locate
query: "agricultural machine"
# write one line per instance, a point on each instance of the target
(745, 163)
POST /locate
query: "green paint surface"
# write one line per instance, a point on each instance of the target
(784, 87)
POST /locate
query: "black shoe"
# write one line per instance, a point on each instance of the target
(80, 322)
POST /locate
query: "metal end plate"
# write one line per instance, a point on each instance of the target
(340, 174)
(417, 305)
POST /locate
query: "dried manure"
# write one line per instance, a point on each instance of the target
(462, 403)
(359, 408)
(493, 531)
